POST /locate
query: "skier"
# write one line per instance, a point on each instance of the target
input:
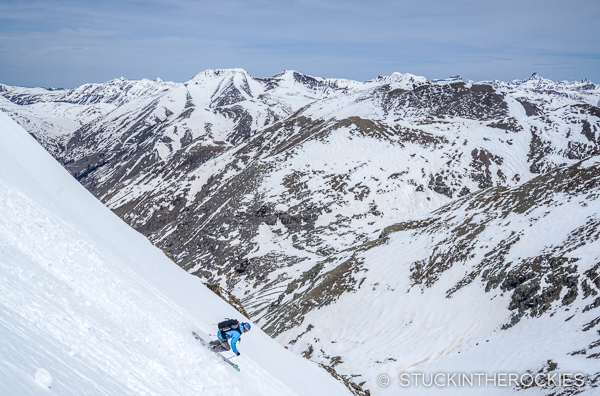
(229, 329)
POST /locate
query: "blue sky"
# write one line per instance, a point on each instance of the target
(67, 43)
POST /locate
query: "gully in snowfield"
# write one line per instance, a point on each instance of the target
(229, 329)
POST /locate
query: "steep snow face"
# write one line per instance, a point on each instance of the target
(89, 307)
(502, 281)
(253, 183)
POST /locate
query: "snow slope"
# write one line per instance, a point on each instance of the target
(103, 312)
(501, 281)
(261, 184)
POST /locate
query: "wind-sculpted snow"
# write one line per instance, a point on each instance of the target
(89, 307)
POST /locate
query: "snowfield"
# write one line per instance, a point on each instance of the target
(502, 281)
(89, 307)
(397, 225)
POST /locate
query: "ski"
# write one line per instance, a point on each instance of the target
(205, 344)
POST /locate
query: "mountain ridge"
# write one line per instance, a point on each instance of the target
(92, 305)
(262, 186)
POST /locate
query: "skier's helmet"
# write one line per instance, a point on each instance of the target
(245, 326)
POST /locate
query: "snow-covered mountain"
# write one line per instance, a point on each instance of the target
(503, 280)
(539, 83)
(52, 115)
(540, 95)
(89, 307)
(275, 187)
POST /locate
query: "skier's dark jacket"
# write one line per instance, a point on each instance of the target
(232, 334)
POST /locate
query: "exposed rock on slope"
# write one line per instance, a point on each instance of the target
(525, 261)
(213, 168)
(89, 307)
(267, 186)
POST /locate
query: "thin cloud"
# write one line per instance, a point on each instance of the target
(175, 39)
(87, 32)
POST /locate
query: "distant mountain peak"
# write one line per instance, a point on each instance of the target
(218, 73)
(536, 77)
(454, 78)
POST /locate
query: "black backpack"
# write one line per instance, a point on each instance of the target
(227, 325)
